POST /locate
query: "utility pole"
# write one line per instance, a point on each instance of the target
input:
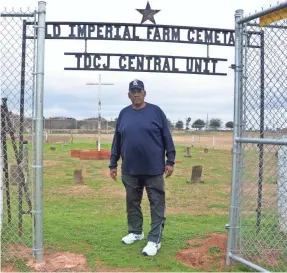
(99, 83)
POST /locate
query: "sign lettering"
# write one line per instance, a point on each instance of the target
(146, 63)
(138, 32)
(149, 33)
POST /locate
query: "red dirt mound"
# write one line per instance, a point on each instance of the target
(206, 254)
(8, 268)
(58, 261)
(64, 261)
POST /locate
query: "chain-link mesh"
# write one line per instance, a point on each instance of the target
(17, 96)
(262, 237)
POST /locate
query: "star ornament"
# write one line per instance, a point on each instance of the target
(148, 13)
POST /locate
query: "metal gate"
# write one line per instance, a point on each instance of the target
(258, 211)
(21, 82)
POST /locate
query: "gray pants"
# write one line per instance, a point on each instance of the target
(156, 194)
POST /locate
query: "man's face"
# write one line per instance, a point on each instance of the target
(137, 96)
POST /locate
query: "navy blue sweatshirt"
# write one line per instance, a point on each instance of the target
(143, 140)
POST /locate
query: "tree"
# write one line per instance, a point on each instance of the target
(80, 123)
(179, 125)
(188, 120)
(170, 125)
(73, 123)
(199, 124)
(229, 124)
(215, 123)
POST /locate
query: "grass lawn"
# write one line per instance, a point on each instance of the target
(90, 219)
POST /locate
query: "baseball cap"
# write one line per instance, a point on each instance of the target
(136, 84)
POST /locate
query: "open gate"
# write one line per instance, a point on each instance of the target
(258, 225)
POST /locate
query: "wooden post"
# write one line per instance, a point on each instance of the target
(72, 137)
(213, 142)
(187, 152)
(196, 174)
(192, 141)
(78, 177)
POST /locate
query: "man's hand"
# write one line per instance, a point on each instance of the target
(168, 170)
(113, 173)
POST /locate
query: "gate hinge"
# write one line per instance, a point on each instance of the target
(237, 68)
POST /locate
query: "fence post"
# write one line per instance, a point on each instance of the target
(233, 213)
(1, 178)
(262, 121)
(39, 131)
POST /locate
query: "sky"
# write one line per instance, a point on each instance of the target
(179, 95)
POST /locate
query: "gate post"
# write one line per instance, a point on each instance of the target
(39, 131)
(233, 213)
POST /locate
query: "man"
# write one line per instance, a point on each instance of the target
(142, 139)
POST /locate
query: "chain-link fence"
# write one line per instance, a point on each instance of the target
(17, 65)
(258, 222)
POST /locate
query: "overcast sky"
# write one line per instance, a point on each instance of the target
(179, 95)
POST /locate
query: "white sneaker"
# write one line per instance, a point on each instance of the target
(151, 249)
(131, 238)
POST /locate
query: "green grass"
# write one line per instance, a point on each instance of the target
(90, 219)
(214, 250)
(102, 236)
(218, 206)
